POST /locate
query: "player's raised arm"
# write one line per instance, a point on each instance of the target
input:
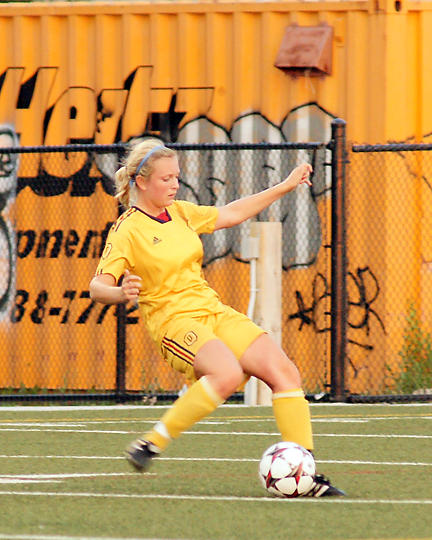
(103, 288)
(242, 209)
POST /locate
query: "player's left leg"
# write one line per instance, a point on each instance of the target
(265, 360)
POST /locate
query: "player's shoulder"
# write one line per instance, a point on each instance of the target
(182, 209)
(187, 208)
(125, 221)
(196, 215)
(180, 205)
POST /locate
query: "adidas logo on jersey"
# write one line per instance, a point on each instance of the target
(156, 240)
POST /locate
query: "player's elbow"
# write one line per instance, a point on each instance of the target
(98, 292)
(103, 289)
(228, 217)
(93, 290)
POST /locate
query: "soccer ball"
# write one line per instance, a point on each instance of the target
(287, 469)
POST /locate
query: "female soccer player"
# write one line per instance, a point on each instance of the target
(155, 247)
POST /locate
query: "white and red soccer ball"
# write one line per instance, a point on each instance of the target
(287, 470)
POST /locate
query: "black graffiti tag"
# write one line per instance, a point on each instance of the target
(317, 314)
(363, 292)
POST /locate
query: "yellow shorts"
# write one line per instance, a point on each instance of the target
(184, 336)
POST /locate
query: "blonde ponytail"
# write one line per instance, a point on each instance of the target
(122, 186)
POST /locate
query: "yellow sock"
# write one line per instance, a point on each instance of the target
(196, 403)
(292, 415)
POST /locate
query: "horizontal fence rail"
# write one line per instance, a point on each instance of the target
(354, 319)
(61, 346)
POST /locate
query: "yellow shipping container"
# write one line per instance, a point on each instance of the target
(205, 72)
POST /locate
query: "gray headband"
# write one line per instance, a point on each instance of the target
(144, 159)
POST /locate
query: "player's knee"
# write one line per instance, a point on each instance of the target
(233, 379)
(227, 382)
(282, 371)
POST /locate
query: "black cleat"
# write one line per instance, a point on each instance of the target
(323, 488)
(140, 453)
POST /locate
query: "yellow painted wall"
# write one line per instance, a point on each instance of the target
(98, 72)
(218, 58)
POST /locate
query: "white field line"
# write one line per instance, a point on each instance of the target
(277, 434)
(95, 407)
(366, 419)
(45, 424)
(56, 537)
(4, 456)
(26, 481)
(84, 422)
(227, 460)
(64, 476)
(108, 432)
(273, 500)
(243, 433)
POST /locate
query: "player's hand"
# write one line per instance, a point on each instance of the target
(300, 175)
(131, 286)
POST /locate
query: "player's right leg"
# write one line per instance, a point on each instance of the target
(197, 402)
(219, 375)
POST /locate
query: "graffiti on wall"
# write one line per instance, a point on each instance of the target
(213, 177)
(363, 292)
(310, 313)
(74, 179)
(102, 117)
(8, 183)
(140, 109)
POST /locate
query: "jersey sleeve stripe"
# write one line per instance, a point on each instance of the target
(123, 217)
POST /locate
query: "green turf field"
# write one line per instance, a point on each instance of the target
(62, 475)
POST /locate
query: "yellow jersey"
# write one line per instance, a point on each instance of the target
(167, 256)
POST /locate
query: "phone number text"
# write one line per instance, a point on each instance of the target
(76, 308)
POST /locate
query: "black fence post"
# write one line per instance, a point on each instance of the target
(339, 297)
(120, 389)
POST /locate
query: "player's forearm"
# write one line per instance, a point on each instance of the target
(247, 207)
(106, 294)
(243, 209)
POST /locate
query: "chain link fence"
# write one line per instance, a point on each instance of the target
(356, 280)
(57, 207)
(389, 345)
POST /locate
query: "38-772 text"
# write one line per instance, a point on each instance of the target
(76, 307)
